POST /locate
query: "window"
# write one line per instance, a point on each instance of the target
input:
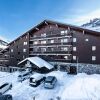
(74, 48)
(64, 48)
(93, 48)
(35, 42)
(52, 41)
(11, 50)
(93, 58)
(74, 39)
(43, 49)
(25, 43)
(74, 57)
(24, 50)
(62, 32)
(86, 40)
(43, 42)
(64, 40)
(43, 34)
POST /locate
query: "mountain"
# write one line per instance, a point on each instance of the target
(93, 24)
(3, 44)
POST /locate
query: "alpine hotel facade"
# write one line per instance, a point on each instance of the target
(54, 41)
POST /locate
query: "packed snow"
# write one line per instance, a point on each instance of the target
(68, 87)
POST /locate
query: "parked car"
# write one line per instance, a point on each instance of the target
(23, 76)
(6, 97)
(36, 80)
(50, 82)
(5, 87)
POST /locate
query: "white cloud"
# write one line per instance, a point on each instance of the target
(80, 17)
(86, 17)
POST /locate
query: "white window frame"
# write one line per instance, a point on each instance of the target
(25, 43)
(74, 48)
(24, 50)
(93, 58)
(64, 48)
(64, 40)
(35, 42)
(51, 41)
(93, 48)
(12, 50)
(43, 42)
(74, 39)
(62, 32)
(74, 57)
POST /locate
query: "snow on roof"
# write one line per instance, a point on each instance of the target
(38, 62)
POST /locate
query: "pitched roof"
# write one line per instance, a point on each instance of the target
(59, 23)
(96, 33)
(38, 62)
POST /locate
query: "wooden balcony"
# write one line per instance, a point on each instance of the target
(50, 37)
(52, 44)
(51, 52)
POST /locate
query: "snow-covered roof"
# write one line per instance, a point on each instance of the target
(38, 62)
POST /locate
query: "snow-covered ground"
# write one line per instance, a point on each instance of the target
(69, 87)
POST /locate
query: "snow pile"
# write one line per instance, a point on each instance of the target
(69, 87)
(38, 62)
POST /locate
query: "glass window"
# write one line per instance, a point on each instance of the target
(64, 40)
(74, 48)
(93, 58)
(74, 57)
(24, 50)
(25, 43)
(62, 32)
(64, 48)
(43, 42)
(74, 39)
(52, 41)
(93, 48)
(11, 50)
(35, 42)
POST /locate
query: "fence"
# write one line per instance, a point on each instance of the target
(9, 69)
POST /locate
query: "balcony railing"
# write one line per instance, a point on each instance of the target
(56, 52)
(51, 44)
(50, 36)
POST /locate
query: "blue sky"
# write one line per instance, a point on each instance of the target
(18, 16)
